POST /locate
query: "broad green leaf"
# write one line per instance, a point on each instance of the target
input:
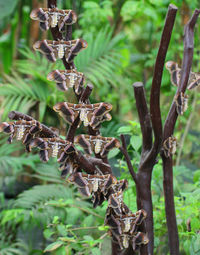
(113, 153)
(48, 233)
(136, 142)
(53, 246)
(124, 130)
(95, 251)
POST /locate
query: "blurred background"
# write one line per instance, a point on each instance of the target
(40, 211)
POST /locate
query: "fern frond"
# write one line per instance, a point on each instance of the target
(101, 60)
(39, 195)
(16, 248)
(48, 172)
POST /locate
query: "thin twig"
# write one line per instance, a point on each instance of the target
(81, 228)
(124, 151)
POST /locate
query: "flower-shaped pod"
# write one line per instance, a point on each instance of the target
(21, 129)
(89, 184)
(115, 202)
(66, 79)
(125, 240)
(59, 49)
(97, 144)
(69, 166)
(53, 17)
(126, 223)
(175, 71)
(181, 101)
(169, 146)
(90, 114)
(52, 147)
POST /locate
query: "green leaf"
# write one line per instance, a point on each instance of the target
(42, 110)
(136, 142)
(53, 246)
(61, 251)
(48, 233)
(113, 153)
(96, 251)
(124, 130)
(196, 176)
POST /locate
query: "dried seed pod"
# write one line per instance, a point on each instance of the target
(124, 240)
(66, 79)
(94, 182)
(52, 17)
(52, 147)
(97, 144)
(21, 129)
(175, 71)
(68, 166)
(130, 222)
(116, 187)
(90, 114)
(127, 223)
(115, 202)
(59, 49)
(138, 240)
(169, 146)
(181, 101)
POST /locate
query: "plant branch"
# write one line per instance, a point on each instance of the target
(169, 130)
(91, 165)
(157, 78)
(124, 151)
(186, 67)
(148, 159)
(144, 117)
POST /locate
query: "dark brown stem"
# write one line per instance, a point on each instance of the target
(144, 201)
(186, 66)
(170, 206)
(47, 132)
(91, 165)
(169, 130)
(86, 93)
(99, 163)
(144, 117)
(157, 78)
(14, 115)
(72, 130)
(148, 159)
(124, 151)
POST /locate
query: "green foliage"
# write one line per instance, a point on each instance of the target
(121, 53)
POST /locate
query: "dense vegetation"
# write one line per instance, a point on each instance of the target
(37, 207)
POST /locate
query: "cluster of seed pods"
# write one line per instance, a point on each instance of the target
(101, 186)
